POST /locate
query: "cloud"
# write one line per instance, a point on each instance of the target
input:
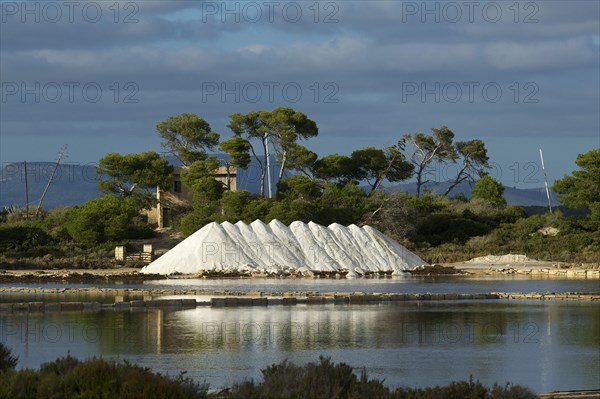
(177, 59)
(555, 54)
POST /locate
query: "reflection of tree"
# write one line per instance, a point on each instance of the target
(300, 328)
(577, 328)
(130, 332)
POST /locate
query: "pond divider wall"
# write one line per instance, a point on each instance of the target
(123, 302)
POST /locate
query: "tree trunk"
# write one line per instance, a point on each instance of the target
(376, 185)
(283, 164)
(268, 163)
(262, 171)
(419, 174)
(227, 165)
(459, 179)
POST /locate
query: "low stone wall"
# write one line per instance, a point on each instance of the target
(534, 271)
(559, 273)
(134, 299)
(595, 394)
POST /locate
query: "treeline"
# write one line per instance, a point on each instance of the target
(97, 378)
(334, 188)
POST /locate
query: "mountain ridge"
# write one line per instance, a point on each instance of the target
(74, 184)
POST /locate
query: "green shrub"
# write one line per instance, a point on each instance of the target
(96, 378)
(7, 360)
(22, 236)
(338, 381)
(488, 189)
(109, 218)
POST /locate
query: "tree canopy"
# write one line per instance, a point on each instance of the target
(427, 149)
(487, 188)
(187, 137)
(375, 165)
(582, 188)
(279, 129)
(107, 219)
(475, 162)
(335, 167)
(131, 174)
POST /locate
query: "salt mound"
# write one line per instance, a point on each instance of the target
(509, 258)
(275, 247)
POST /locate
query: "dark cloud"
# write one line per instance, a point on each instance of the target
(368, 71)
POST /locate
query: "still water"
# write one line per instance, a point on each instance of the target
(543, 345)
(394, 284)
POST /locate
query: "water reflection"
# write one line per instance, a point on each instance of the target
(392, 284)
(547, 346)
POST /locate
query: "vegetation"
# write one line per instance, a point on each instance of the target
(98, 378)
(325, 380)
(107, 219)
(582, 189)
(7, 360)
(429, 149)
(488, 189)
(68, 377)
(280, 129)
(187, 137)
(336, 188)
(133, 174)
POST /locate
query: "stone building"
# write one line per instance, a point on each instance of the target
(179, 195)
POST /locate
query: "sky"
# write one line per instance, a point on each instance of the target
(99, 75)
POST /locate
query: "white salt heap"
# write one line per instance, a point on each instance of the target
(509, 258)
(275, 248)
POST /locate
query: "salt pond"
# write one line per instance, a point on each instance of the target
(394, 284)
(544, 345)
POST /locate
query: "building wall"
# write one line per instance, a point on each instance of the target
(179, 195)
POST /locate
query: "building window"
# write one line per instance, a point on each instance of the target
(177, 186)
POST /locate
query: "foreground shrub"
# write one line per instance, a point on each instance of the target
(22, 236)
(109, 218)
(7, 360)
(68, 377)
(328, 380)
(95, 378)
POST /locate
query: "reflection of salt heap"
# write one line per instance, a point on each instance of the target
(274, 247)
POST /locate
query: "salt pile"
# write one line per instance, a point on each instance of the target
(275, 248)
(508, 258)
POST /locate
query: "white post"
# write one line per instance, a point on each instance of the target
(546, 181)
(268, 165)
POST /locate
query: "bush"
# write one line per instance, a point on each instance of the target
(109, 218)
(23, 236)
(96, 378)
(487, 188)
(7, 360)
(329, 380)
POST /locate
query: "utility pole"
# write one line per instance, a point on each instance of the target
(62, 153)
(266, 138)
(546, 182)
(26, 192)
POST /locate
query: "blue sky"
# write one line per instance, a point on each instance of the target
(98, 75)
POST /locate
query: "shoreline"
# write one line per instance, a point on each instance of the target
(131, 275)
(145, 300)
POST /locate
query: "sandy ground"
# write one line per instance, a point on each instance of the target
(538, 268)
(96, 272)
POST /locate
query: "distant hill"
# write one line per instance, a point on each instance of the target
(72, 184)
(75, 184)
(514, 196)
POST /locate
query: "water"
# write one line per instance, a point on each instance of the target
(543, 345)
(395, 284)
